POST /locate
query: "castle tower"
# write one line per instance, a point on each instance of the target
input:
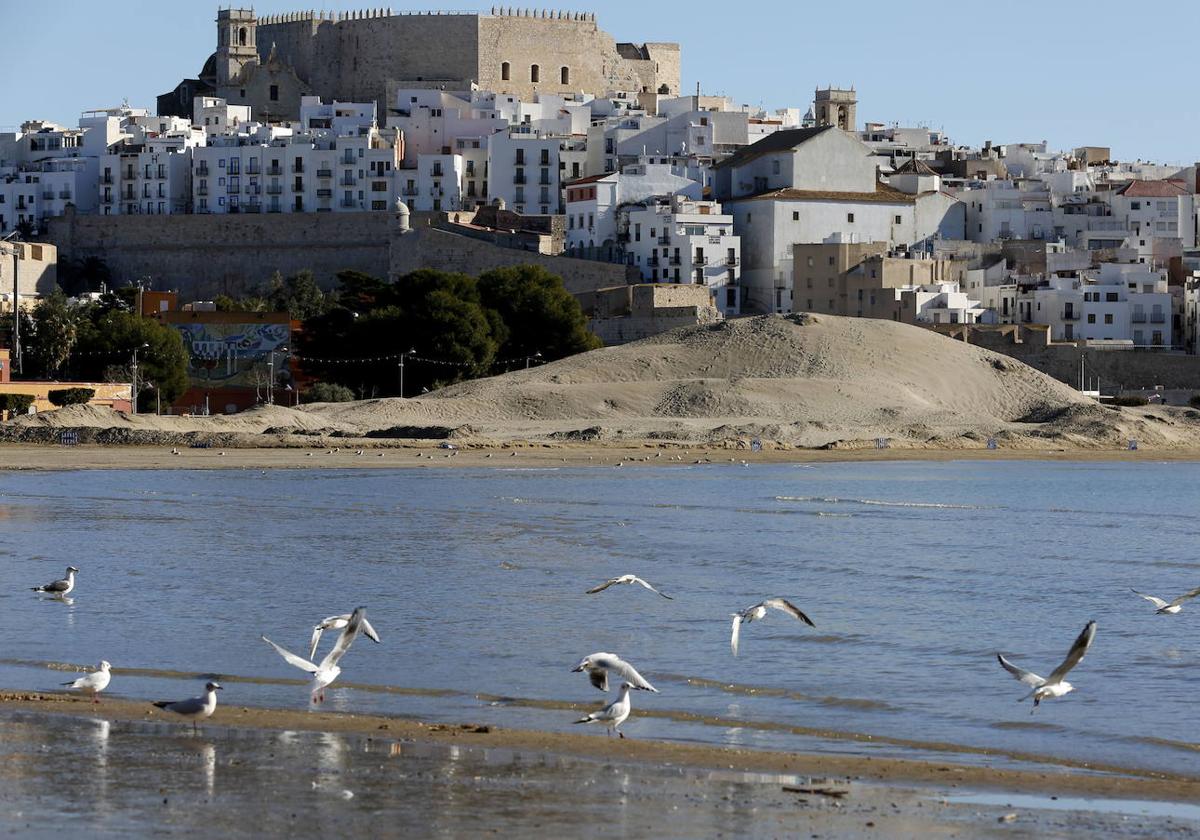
(237, 43)
(834, 106)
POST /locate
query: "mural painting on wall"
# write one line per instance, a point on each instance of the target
(234, 355)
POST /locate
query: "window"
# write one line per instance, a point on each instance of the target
(1091, 317)
(1108, 319)
(831, 260)
(775, 167)
(535, 74)
(505, 71)
(796, 216)
(242, 37)
(850, 218)
(566, 75)
(1111, 297)
(899, 220)
(274, 93)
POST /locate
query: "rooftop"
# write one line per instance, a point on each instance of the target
(779, 141)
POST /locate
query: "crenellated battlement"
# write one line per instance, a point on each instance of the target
(322, 16)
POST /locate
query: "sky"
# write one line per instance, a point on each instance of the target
(1096, 74)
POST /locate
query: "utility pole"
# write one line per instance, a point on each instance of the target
(402, 355)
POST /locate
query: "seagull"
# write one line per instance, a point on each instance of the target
(94, 682)
(599, 664)
(1165, 608)
(337, 622)
(760, 611)
(1054, 685)
(328, 670)
(614, 714)
(196, 708)
(626, 579)
(59, 587)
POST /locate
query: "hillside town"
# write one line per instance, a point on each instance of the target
(593, 160)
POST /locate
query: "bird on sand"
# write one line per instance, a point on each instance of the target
(94, 682)
(325, 673)
(59, 587)
(614, 714)
(195, 708)
(1054, 685)
(759, 611)
(598, 665)
(1167, 607)
(337, 622)
(626, 579)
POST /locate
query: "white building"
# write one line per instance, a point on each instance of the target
(524, 170)
(1120, 303)
(592, 202)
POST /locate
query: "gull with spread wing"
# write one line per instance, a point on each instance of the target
(759, 611)
(617, 581)
(598, 666)
(1167, 607)
(337, 622)
(1054, 685)
(325, 673)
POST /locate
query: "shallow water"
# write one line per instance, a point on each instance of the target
(916, 574)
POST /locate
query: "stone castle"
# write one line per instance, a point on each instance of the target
(270, 62)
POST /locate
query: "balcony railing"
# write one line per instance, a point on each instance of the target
(1070, 315)
(676, 261)
(48, 196)
(410, 191)
(298, 168)
(348, 159)
(437, 172)
(201, 171)
(348, 180)
(1158, 318)
(253, 189)
(233, 189)
(324, 193)
(518, 179)
(106, 179)
(274, 189)
(65, 194)
(274, 170)
(700, 259)
(545, 180)
(665, 239)
(349, 202)
(653, 262)
(253, 169)
(733, 261)
(1139, 317)
(324, 173)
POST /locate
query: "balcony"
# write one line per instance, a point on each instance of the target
(324, 173)
(653, 262)
(437, 172)
(1158, 318)
(48, 196)
(1070, 315)
(274, 170)
(253, 189)
(274, 189)
(518, 179)
(127, 196)
(106, 179)
(675, 261)
(324, 193)
(348, 159)
(1139, 317)
(348, 180)
(253, 168)
(733, 262)
(298, 168)
(65, 194)
(665, 239)
(545, 181)
(349, 202)
(274, 208)
(410, 191)
(700, 259)
(233, 189)
(201, 171)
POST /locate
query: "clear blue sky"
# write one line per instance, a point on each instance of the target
(1100, 73)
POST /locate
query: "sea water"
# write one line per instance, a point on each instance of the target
(915, 574)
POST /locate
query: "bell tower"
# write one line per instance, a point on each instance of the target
(835, 106)
(237, 42)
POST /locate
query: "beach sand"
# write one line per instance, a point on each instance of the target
(554, 783)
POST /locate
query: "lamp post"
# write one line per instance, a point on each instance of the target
(150, 386)
(537, 355)
(402, 355)
(271, 374)
(134, 370)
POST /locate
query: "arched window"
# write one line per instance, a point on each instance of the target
(242, 37)
(535, 74)
(566, 75)
(505, 71)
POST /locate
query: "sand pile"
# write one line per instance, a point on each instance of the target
(800, 380)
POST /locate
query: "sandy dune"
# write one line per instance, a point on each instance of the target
(799, 381)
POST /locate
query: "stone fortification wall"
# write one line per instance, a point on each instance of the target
(203, 256)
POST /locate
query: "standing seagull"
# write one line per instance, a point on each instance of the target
(759, 611)
(196, 708)
(94, 682)
(1054, 685)
(614, 714)
(1165, 608)
(328, 670)
(337, 622)
(626, 579)
(59, 587)
(599, 664)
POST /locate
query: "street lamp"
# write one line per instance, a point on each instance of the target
(402, 355)
(271, 374)
(134, 370)
(150, 386)
(537, 355)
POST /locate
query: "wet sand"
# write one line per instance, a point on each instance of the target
(378, 455)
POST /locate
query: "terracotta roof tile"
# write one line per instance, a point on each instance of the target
(883, 195)
(1153, 189)
(777, 141)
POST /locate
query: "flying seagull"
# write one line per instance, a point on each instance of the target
(614, 714)
(599, 664)
(59, 587)
(1054, 685)
(1168, 608)
(337, 622)
(94, 682)
(626, 579)
(196, 708)
(759, 611)
(328, 670)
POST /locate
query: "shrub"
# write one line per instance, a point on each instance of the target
(1130, 402)
(1194, 402)
(71, 396)
(16, 404)
(327, 392)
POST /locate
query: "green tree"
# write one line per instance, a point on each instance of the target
(54, 331)
(298, 295)
(537, 312)
(62, 397)
(326, 392)
(107, 340)
(77, 277)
